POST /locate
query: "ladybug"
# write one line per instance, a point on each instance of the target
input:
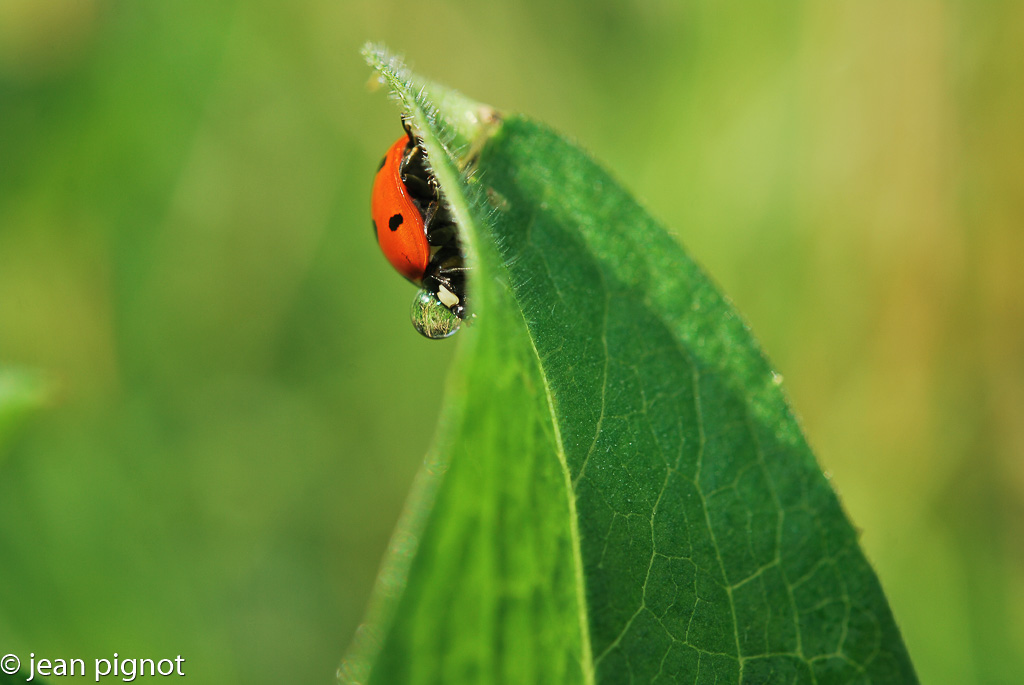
(414, 228)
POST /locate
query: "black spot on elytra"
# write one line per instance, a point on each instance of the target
(395, 221)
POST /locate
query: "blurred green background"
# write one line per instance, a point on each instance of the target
(239, 402)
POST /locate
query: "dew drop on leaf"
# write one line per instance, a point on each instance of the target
(431, 319)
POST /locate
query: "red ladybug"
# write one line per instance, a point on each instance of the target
(414, 228)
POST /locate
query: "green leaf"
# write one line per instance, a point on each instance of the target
(618, 491)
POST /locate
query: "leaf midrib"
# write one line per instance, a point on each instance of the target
(587, 661)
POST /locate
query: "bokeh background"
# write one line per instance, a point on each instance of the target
(238, 402)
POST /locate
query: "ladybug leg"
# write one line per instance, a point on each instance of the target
(418, 182)
(441, 230)
(418, 188)
(408, 129)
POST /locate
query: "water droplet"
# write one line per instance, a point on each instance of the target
(431, 319)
